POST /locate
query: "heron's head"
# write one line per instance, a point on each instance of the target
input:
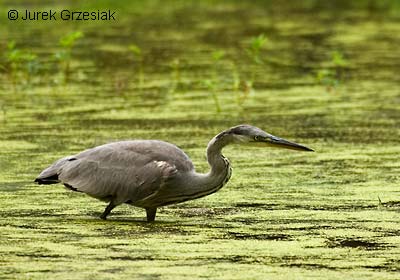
(251, 135)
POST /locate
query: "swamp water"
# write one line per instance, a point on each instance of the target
(325, 75)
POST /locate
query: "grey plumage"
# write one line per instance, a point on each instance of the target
(151, 173)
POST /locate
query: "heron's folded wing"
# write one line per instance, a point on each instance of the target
(117, 175)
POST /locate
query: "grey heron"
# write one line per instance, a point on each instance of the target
(152, 173)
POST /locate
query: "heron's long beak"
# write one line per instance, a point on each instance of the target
(274, 141)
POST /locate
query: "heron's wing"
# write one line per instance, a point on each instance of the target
(124, 171)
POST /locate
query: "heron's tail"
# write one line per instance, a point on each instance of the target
(47, 181)
(50, 174)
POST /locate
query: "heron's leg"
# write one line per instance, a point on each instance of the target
(107, 211)
(151, 214)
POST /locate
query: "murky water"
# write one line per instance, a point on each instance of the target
(326, 76)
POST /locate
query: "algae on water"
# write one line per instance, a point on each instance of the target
(283, 215)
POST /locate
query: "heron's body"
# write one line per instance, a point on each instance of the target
(146, 173)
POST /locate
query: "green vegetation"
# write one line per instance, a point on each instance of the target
(214, 81)
(331, 214)
(175, 75)
(331, 76)
(245, 87)
(254, 50)
(20, 65)
(137, 54)
(64, 56)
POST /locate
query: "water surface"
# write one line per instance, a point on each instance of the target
(283, 214)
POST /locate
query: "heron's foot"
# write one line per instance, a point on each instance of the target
(103, 216)
(107, 211)
(151, 214)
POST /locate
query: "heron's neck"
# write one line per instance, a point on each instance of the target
(218, 163)
(198, 184)
(219, 173)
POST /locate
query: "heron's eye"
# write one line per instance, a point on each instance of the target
(257, 138)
